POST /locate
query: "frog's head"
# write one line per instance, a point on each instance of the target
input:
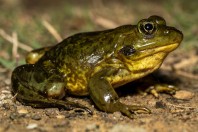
(145, 48)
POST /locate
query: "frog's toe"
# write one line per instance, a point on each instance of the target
(83, 110)
(139, 109)
(153, 91)
(126, 111)
(88, 111)
(170, 89)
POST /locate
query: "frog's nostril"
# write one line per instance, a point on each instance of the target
(166, 32)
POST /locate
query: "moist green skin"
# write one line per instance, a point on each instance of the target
(94, 64)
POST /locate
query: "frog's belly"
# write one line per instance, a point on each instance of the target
(76, 84)
(78, 88)
(123, 77)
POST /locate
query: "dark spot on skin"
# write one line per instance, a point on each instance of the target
(31, 95)
(142, 70)
(22, 92)
(128, 50)
(40, 97)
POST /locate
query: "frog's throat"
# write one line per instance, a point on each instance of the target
(149, 60)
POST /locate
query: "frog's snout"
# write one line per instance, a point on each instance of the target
(176, 34)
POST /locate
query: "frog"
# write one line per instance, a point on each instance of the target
(95, 64)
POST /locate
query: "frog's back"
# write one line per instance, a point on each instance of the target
(88, 48)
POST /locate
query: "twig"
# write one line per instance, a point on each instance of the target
(180, 72)
(184, 63)
(52, 30)
(9, 38)
(15, 54)
(185, 74)
(14, 97)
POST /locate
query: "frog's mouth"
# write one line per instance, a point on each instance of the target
(167, 48)
(155, 50)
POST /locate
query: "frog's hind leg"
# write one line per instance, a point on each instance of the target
(35, 100)
(45, 94)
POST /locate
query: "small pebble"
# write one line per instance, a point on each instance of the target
(3, 96)
(6, 92)
(14, 116)
(22, 111)
(6, 106)
(60, 116)
(182, 94)
(126, 128)
(36, 117)
(160, 104)
(91, 127)
(32, 126)
(50, 112)
(117, 115)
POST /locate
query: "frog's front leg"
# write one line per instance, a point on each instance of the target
(105, 97)
(161, 88)
(151, 86)
(35, 87)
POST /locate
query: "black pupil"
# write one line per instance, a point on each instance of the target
(148, 26)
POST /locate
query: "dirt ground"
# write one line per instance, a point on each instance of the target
(178, 113)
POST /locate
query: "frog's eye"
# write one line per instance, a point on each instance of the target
(147, 28)
(127, 50)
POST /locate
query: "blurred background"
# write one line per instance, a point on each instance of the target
(30, 24)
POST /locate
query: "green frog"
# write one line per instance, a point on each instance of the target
(94, 64)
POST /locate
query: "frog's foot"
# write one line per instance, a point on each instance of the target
(161, 88)
(130, 110)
